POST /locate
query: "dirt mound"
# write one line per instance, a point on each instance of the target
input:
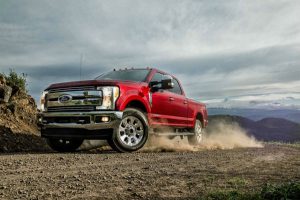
(18, 121)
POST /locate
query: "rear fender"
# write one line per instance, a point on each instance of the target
(202, 115)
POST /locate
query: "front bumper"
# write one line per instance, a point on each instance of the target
(81, 125)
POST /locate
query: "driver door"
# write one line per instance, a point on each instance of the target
(161, 104)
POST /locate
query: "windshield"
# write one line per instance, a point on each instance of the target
(139, 75)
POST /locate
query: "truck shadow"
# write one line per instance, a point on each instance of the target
(21, 142)
(24, 143)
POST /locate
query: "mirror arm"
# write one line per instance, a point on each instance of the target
(153, 83)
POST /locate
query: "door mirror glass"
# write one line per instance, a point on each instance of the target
(167, 82)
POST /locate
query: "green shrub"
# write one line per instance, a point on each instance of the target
(284, 191)
(231, 195)
(14, 79)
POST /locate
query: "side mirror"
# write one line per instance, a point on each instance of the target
(153, 83)
(167, 83)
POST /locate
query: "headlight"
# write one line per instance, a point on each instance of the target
(110, 96)
(43, 101)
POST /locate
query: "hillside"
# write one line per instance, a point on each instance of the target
(18, 125)
(267, 129)
(258, 114)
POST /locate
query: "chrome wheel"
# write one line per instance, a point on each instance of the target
(131, 131)
(198, 131)
(197, 137)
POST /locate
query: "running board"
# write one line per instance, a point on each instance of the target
(173, 134)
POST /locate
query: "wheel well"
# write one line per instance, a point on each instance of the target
(200, 117)
(137, 104)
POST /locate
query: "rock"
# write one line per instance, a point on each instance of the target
(135, 194)
(5, 93)
(5, 90)
(2, 80)
(12, 107)
(3, 187)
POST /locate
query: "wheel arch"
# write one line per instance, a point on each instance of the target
(199, 116)
(136, 104)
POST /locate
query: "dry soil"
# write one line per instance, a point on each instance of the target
(145, 175)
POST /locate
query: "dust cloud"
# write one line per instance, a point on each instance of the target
(92, 144)
(221, 136)
(165, 144)
(229, 136)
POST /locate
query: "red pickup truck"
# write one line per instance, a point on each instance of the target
(122, 107)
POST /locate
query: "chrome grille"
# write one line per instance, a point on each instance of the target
(71, 109)
(73, 99)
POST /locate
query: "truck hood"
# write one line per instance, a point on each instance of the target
(89, 83)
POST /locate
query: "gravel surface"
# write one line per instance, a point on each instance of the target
(159, 175)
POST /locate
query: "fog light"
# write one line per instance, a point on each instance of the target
(105, 119)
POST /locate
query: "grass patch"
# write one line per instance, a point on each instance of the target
(14, 79)
(283, 191)
(237, 182)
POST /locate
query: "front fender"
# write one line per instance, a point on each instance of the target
(130, 96)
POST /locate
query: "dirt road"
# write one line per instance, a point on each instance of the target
(169, 175)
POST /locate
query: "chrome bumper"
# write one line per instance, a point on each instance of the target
(114, 116)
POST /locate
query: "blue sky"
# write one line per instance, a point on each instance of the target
(226, 53)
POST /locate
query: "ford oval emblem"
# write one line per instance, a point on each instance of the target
(64, 98)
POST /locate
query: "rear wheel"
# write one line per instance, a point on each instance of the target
(132, 133)
(197, 137)
(64, 145)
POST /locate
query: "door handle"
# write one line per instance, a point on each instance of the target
(185, 102)
(171, 99)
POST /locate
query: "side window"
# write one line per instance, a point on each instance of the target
(157, 77)
(176, 89)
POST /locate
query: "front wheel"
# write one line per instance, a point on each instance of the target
(197, 137)
(64, 145)
(132, 133)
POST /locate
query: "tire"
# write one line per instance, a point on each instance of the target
(64, 145)
(132, 133)
(197, 138)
